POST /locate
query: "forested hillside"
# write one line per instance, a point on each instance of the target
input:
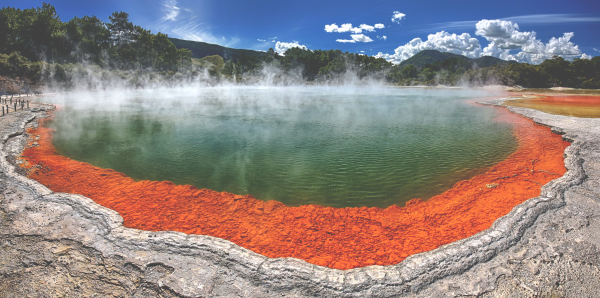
(433, 68)
(432, 56)
(202, 49)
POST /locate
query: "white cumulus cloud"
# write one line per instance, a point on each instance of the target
(361, 38)
(586, 56)
(397, 17)
(346, 40)
(496, 28)
(343, 28)
(261, 39)
(349, 28)
(462, 44)
(506, 42)
(367, 27)
(505, 36)
(281, 47)
(382, 37)
(595, 49)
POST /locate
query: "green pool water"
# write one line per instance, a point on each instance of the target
(341, 147)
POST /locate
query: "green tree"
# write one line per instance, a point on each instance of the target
(409, 71)
(558, 72)
(89, 37)
(120, 28)
(426, 74)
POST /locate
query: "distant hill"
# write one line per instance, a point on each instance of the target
(202, 49)
(486, 61)
(429, 56)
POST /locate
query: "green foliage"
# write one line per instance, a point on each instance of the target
(409, 71)
(425, 57)
(309, 65)
(121, 30)
(426, 74)
(33, 32)
(581, 73)
(40, 35)
(326, 65)
(215, 61)
(525, 75)
(90, 36)
(15, 65)
(450, 64)
(555, 72)
(36, 44)
(431, 57)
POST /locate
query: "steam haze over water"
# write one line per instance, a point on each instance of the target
(332, 146)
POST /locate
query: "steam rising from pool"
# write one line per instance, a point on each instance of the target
(333, 146)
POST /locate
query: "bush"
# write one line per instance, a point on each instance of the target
(15, 65)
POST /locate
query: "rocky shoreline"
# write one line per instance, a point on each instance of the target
(56, 244)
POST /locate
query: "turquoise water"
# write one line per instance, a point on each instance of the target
(341, 147)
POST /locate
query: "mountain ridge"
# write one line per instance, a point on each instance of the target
(202, 49)
(424, 57)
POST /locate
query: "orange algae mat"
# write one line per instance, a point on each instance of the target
(341, 238)
(571, 100)
(569, 105)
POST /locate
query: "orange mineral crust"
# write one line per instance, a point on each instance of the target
(340, 238)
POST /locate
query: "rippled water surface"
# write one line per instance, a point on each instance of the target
(329, 146)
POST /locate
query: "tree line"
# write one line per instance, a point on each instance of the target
(35, 39)
(39, 35)
(554, 72)
(317, 65)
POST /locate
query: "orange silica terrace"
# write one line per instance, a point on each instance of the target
(341, 238)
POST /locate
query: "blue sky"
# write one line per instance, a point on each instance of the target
(527, 31)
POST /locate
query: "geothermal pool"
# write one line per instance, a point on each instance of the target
(383, 121)
(340, 147)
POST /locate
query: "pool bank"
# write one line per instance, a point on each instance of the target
(48, 236)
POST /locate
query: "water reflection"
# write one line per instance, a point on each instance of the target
(327, 146)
